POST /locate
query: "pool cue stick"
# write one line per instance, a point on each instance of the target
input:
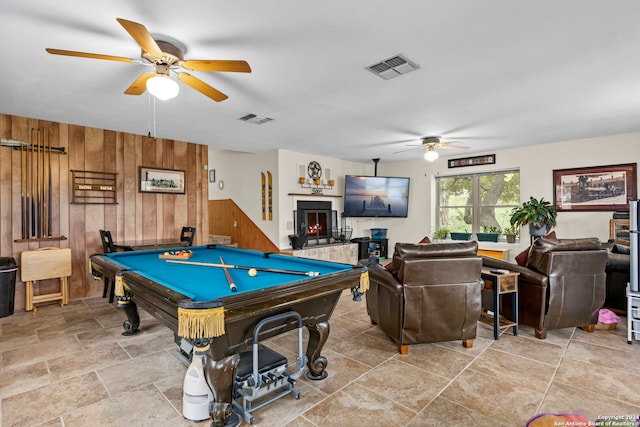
(43, 206)
(42, 200)
(22, 191)
(36, 181)
(38, 213)
(242, 267)
(50, 185)
(28, 190)
(28, 187)
(232, 285)
(32, 224)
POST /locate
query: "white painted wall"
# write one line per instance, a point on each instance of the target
(242, 183)
(289, 162)
(241, 174)
(536, 164)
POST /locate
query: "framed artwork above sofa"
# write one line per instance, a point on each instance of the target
(596, 188)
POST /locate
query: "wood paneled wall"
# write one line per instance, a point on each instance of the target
(135, 216)
(227, 219)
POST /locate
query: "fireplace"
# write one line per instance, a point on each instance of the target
(316, 219)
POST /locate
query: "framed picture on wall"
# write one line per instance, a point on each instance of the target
(598, 188)
(154, 180)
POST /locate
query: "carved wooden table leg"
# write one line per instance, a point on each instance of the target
(221, 375)
(316, 363)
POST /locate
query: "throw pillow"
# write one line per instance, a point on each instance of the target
(424, 240)
(522, 257)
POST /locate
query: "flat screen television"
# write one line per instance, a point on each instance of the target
(376, 196)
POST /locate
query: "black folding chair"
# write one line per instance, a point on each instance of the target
(107, 248)
(187, 235)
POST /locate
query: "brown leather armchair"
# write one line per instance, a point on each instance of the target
(562, 284)
(432, 294)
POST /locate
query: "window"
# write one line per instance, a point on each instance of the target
(474, 203)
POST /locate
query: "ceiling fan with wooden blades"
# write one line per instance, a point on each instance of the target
(429, 145)
(166, 56)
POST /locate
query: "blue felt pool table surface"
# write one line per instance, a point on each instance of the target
(204, 283)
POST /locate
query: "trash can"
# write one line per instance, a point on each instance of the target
(8, 268)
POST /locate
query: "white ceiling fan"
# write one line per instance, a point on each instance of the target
(431, 143)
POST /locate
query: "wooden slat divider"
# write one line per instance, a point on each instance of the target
(106, 151)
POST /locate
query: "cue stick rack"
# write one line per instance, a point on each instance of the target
(36, 185)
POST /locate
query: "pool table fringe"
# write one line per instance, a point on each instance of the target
(200, 323)
(364, 281)
(119, 286)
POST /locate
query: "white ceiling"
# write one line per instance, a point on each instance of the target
(493, 73)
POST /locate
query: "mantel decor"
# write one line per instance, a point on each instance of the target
(599, 188)
(154, 180)
(314, 181)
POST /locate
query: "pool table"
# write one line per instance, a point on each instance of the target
(159, 285)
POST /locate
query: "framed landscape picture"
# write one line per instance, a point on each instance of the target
(598, 188)
(154, 180)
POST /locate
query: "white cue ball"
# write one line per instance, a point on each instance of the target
(252, 272)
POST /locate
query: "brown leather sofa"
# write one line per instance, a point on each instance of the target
(618, 275)
(431, 294)
(562, 284)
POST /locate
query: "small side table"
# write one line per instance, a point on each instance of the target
(499, 284)
(42, 264)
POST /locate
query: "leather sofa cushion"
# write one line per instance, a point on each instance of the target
(522, 257)
(621, 249)
(404, 251)
(425, 241)
(543, 245)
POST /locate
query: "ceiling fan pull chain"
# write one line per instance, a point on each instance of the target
(152, 116)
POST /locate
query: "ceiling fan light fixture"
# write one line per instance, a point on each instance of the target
(430, 154)
(162, 87)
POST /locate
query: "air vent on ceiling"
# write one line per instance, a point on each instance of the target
(255, 119)
(392, 67)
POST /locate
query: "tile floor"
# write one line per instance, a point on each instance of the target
(71, 366)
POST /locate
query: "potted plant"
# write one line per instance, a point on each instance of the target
(460, 235)
(441, 233)
(490, 233)
(539, 215)
(511, 233)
